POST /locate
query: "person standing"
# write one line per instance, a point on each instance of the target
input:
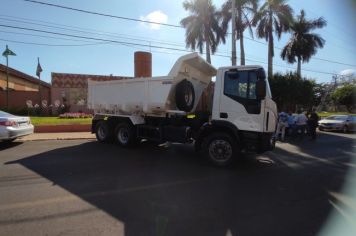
(301, 123)
(282, 125)
(291, 124)
(313, 123)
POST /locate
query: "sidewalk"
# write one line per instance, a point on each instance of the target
(57, 136)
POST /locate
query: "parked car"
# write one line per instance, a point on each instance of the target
(344, 123)
(12, 127)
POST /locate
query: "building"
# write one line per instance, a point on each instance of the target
(71, 89)
(22, 88)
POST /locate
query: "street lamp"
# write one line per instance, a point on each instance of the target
(6, 54)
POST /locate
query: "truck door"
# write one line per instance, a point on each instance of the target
(238, 101)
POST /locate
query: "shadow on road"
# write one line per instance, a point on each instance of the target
(171, 191)
(6, 145)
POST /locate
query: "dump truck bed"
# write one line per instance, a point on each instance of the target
(153, 95)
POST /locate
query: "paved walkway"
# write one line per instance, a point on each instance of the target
(57, 136)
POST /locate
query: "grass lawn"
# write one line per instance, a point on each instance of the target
(59, 121)
(326, 114)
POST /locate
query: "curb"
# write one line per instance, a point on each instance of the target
(51, 139)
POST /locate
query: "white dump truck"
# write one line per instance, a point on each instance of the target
(241, 114)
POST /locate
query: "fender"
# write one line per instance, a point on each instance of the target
(216, 126)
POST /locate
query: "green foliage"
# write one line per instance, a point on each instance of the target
(345, 95)
(303, 44)
(245, 11)
(274, 16)
(289, 90)
(202, 26)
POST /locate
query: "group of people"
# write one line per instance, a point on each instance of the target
(297, 125)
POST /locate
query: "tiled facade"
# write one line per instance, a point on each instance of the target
(71, 89)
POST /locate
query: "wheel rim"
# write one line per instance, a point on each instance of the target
(220, 150)
(123, 135)
(101, 133)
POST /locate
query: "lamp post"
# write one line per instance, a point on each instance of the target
(6, 54)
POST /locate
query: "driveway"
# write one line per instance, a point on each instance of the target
(82, 187)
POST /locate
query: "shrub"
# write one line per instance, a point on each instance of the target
(75, 115)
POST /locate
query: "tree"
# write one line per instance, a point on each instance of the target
(245, 11)
(303, 44)
(273, 16)
(202, 26)
(288, 91)
(346, 95)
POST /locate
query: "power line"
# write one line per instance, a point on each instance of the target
(85, 30)
(316, 58)
(144, 45)
(101, 14)
(43, 36)
(158, 23)
(50, 45)
(90, 38)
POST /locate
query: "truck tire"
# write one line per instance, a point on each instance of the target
(125, 134)
(185, 95)
(102, 131)
(220, 149)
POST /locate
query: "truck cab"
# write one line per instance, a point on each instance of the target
(243, 109)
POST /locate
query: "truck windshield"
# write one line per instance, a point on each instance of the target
(240, 84)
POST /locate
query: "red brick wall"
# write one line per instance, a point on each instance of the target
(17, 99)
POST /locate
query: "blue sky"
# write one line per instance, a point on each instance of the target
(117, 59)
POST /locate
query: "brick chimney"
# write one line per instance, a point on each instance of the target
(143, 64)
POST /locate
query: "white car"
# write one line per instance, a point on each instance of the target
(12, 127)
(344, 123)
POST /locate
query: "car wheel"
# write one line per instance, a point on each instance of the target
(102, 131)
(220, 149)
(125, 135)
(345, 129)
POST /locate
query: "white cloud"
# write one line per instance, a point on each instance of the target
(155, 16)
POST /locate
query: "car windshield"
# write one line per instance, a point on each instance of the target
(336, 118)
(5, 114)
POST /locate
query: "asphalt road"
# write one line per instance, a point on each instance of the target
(81, 187)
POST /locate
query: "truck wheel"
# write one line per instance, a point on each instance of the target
(125, 135)
(220, 148)
(185, 95)
(102, 131)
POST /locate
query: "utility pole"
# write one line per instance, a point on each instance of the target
(6, 54)
(233, 33)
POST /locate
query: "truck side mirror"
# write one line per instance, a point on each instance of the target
(261, 89)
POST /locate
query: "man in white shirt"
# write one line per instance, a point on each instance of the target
(282, 124)
(301, 123)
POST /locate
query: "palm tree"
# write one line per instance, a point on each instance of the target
(202, 26)
(303, 44)
(245, 10)
(273, 16)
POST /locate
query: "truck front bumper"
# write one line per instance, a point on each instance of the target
(258, 142)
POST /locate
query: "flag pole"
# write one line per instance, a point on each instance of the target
(7, 82)
(39, 84)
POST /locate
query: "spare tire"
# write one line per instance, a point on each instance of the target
(185, 95)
